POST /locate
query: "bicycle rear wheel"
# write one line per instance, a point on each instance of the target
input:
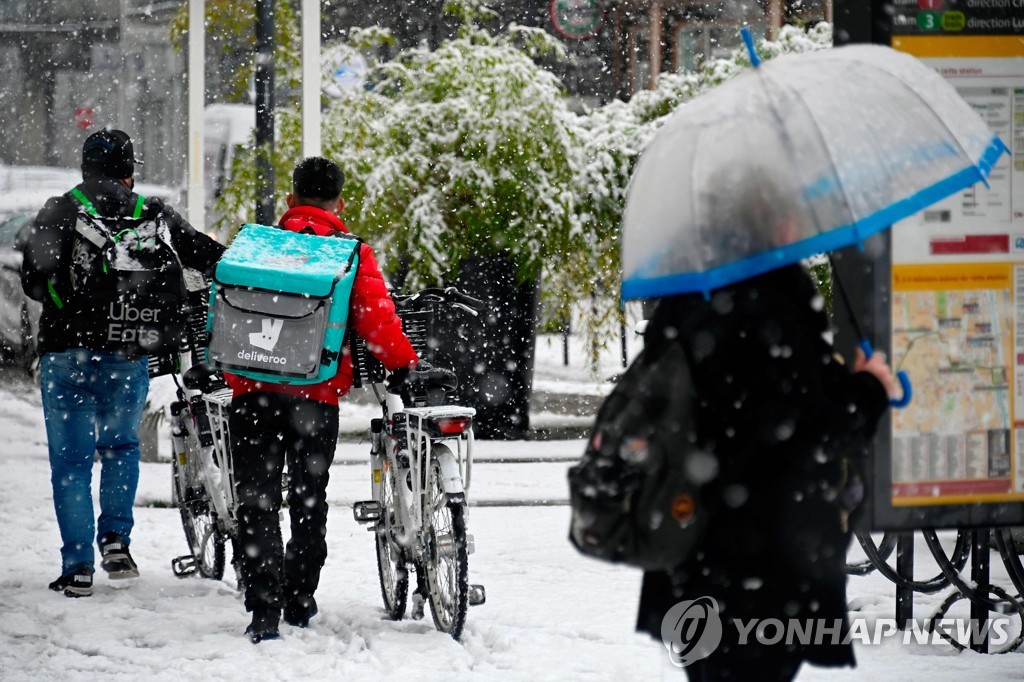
(447, 558)
(198, 520)
(391, 569)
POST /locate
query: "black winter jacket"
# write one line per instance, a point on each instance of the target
(47, 251)
(781, 413)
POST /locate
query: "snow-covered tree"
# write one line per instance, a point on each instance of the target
(610, 139)
(471, 149)
(464, 150)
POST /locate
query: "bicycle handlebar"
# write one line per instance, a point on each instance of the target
(449, 295)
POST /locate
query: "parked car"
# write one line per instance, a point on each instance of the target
(19, 315)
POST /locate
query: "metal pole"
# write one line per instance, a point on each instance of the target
(311, 78)
(264, 112)
(196, 208)
(622, 338)
(980, 578)
(905, 568)
(565, 341)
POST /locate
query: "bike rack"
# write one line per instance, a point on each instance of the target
(970, 544)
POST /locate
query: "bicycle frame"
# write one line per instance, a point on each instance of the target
(421, 460)
(200, 437)
(409, 436)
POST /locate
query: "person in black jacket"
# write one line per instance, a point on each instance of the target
(783, 416)
(93, 370)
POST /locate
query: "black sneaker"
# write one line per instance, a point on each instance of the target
(117, 561)
(78, 583)
(297, 613)
(264, 625)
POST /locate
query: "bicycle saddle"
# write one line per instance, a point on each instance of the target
(203, 378)
(422, 378)
(432, 377)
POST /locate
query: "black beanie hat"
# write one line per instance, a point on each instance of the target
(109, 153)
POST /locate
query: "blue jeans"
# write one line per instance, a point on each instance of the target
(92, 402)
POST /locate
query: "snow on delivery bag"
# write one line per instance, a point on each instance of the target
(279, 305)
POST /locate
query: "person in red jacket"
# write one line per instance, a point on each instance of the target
(274, 423)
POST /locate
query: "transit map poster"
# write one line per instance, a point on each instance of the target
(958, 301)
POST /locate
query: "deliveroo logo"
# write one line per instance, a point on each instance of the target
(267, 337)
(691, 630)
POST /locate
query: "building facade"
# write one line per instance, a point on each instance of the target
(73, 66)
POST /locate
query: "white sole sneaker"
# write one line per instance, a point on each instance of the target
(119, 567)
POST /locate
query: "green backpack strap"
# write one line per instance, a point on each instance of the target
(86, 205)
(83, 201)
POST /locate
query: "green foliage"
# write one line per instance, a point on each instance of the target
(471, 149)
(231, 32)
(460, 151)
(611, 140)
(236, 205)
(820, 270)
(473, 154)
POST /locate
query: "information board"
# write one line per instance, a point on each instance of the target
(943, 291)
(958, 301)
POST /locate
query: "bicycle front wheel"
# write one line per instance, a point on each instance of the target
(447, 559)
(199, 521)
(391, 569)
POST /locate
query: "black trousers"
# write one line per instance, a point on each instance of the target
(268, 430)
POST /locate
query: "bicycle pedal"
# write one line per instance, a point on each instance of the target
(184, 566)
(368, 511)
(477, 595)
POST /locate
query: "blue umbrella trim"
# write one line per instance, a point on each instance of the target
(841, 237)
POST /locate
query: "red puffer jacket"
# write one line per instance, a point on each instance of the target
(372, 313)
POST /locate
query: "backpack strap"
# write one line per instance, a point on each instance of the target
(83, 201)
(84, 228)
(88, 216)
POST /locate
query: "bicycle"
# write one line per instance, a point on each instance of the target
(421, 457)
(203, 484)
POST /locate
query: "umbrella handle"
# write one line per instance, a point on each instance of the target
(908, 391)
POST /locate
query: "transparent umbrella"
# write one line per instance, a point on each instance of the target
(801, 155)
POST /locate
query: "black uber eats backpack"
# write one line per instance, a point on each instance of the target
(128, 269)
(634, 494)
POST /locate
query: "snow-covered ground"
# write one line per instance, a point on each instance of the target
(550, 615)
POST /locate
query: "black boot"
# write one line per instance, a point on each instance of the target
(299, 610)
(264, 625)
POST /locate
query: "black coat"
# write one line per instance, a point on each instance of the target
(47, 249)
(780, 413)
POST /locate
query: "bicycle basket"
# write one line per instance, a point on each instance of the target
(195, 335)
(418, 326)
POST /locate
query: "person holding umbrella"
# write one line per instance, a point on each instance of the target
(782, 415)
(804, 155)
